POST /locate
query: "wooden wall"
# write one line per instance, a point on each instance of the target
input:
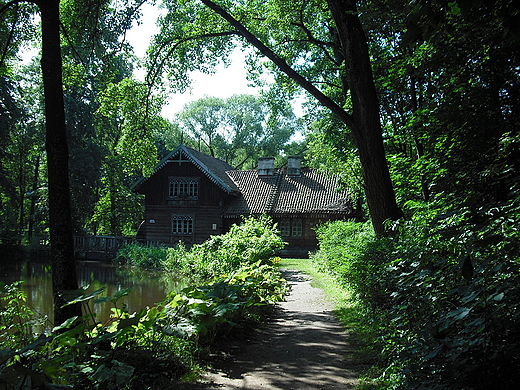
(206, 210)
(157, 186)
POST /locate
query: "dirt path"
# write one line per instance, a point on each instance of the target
(303, 347)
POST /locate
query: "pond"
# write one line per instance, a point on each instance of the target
(147, 287)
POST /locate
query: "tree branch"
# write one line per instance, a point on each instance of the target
(129, 17)
(158, 64)
(11, 33)
(282, 64)
(67, 37)
(8, 42)
(321, 44)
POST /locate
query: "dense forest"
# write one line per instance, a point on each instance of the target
(414, 103)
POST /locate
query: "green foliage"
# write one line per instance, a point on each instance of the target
(455, 297)
(325, 154)
(149, 349)
(256, 239)
(239, 129)
(141, 255)
(442, 293)
(348, 252)
(219, 307)
(16, 324)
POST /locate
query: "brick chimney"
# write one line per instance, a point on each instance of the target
(266, 166)
(294, 166)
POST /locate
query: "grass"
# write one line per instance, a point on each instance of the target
(362, 337)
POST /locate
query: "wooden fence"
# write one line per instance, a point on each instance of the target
(100, 244)
(85, 246)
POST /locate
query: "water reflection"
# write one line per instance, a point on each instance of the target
(147, 287)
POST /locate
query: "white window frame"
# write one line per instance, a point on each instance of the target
(183, 188)
(182, 224)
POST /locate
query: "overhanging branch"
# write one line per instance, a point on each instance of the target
(13, 27)
(282, 64)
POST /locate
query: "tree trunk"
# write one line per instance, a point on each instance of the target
(64, 278)
(33, 198)
(365, 126)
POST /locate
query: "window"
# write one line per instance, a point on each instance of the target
(184, 187)
(285, 227)
(292, 227)
(297, 228)
(182, 224)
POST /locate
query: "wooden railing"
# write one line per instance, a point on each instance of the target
(86, 244)
(104, 244)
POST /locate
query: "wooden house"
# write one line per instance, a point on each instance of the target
(191, 196)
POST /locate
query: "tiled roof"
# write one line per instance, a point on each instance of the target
(311, 192)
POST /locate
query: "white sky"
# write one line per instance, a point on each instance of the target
(227, 81)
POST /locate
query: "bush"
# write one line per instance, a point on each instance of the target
(350, 252)
(443, 292)
(255, 240)
(141, 255)
(455, 309)
(226, 303)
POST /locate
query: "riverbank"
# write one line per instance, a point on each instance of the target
(303, 347)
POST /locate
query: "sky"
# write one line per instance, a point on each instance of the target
(227, 81)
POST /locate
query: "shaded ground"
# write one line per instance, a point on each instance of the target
(303, 347)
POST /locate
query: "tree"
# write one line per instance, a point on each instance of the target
(124, 125)
(202, 119)
(64, 276)
(293, 28)
(239, 129)
(25, 147)
(448, 88)
(64, 271)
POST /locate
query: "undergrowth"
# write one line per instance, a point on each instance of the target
(151, 349)
(256, 239)
(440, 295)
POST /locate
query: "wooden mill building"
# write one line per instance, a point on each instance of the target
(191, 196)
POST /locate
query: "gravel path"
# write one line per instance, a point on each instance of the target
(303, 347)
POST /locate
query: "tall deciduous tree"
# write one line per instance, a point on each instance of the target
(311, 39)
(64, 276)
(239, 129)
(126, 127)
(365, 126)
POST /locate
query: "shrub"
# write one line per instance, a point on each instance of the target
(141, 255)
(225, 303)
(443, 292)
(255, 240)
(350, 252)
(16, 318)
(455, 302)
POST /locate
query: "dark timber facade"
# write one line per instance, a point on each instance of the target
(191, 196)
